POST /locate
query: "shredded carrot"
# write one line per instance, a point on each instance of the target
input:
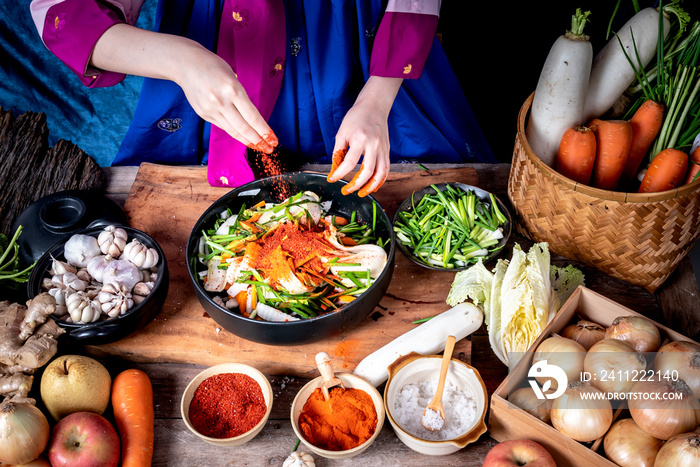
(348, 241)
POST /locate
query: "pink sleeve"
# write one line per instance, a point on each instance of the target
(70, 29)
(404, 39)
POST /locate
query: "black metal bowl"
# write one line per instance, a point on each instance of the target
(114, 329)
(416, 196)
(303, 331)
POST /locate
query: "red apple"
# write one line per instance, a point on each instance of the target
(84, 439)
(519, 452)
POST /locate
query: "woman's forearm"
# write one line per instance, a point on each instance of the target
(127, 49)
(379, 92)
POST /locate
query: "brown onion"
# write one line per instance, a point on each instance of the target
(628, 445)
(614, 366)
(24, 432)
(664, 408)
(641, 333)
(681, 450)
(526, 399)
(683, 357)
(563, 352)
(584, 332)
(583, 418)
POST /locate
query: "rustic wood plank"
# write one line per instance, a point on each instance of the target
(166, 202)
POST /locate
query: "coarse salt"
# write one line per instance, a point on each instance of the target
(412, 399)
(432, 419)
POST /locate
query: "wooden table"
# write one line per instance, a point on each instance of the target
(675, 305)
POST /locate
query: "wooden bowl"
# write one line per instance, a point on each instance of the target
(216, 370)
(414, 368)
(349, 381)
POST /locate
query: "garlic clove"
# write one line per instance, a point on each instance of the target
(59, 267)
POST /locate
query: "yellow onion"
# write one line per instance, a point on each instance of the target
(526, 399)
(565, 353)
(584, 332)
(681, 450)
(683, 357)
(614, 366)
(24, 432)
(639, 332)
(583, 418)
(628, 445)
(664, 408)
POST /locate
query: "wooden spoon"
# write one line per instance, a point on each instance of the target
(323, 362)
(429, 420)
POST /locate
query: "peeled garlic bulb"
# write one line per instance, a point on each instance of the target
(141, 255)
(112, 240)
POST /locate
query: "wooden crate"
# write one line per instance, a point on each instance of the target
(508, 422)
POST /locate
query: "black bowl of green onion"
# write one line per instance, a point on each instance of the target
(450, 226)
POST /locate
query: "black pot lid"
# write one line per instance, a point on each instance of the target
(56, 216)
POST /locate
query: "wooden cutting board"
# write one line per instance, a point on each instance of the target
(166, 202)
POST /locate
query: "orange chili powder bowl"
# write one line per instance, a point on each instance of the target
(255, 401)
(355, 421)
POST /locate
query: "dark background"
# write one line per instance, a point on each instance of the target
(497, 50)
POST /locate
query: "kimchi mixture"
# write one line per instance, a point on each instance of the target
(289, 261)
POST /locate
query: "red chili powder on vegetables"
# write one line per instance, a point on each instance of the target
(286, 250)
(346, 420)
(227, 405)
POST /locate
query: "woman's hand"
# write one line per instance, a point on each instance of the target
(219, 98)
(209, 83)
(364, 132)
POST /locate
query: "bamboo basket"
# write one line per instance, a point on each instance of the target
(639, 238)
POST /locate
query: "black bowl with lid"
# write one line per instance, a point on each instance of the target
(114, 329)
(305, 330)
(59, 215)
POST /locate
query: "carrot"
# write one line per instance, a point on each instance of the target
(613, 140)
(665, 172)
(576, 154)
(132, 402)
(646, 123)
(693, 166)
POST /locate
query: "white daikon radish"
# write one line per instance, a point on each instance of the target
(612, 72)
(561, 91)
(426, 339)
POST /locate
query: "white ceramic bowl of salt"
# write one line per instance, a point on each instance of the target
(411, 385)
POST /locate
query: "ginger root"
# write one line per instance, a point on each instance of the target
(27, 342)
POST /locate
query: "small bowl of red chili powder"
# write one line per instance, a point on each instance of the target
(227, 404)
